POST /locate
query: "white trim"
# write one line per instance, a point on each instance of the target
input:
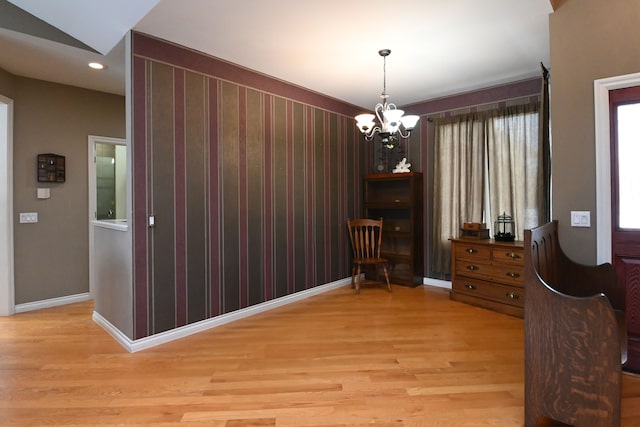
(111, 224)
(121, 338)
(164, 337)
(53, 302)
(445, 284)
(601, 90)
(7, 279)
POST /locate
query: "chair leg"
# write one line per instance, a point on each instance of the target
(353, 275)
(358, 280)
(386, 276)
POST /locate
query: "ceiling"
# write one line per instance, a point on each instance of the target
(330, 46)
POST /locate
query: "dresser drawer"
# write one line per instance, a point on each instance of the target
(472, 251)
(478, 268)
(492, 291)
(508, 255)
(511, 274)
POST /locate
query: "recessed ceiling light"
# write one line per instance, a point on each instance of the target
(96, 66)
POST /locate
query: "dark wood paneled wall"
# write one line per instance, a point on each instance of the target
(250, 181)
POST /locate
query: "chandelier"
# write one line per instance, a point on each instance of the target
(392, 123)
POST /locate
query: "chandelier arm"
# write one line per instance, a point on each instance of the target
(368, 136)
(379, 110)
(404, 135)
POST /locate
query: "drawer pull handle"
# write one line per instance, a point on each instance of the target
(472, 267)
(471, 250)
(468, 286)
(513, 255)
(513, 275)
(512, 295)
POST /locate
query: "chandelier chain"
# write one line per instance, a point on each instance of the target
(384, 77)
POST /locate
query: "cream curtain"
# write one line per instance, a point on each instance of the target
(485, 164)
(514, 167)
(458, 181)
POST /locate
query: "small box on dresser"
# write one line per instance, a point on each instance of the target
(489, 274)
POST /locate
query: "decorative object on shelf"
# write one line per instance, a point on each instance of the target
(505, 228)
(402, 166)
(474, 230)
(392, 123)
(50, 168)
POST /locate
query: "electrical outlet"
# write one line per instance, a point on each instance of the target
(28, 217)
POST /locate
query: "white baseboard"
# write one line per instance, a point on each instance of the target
(164, 337)
(53, 302)
(437, 283)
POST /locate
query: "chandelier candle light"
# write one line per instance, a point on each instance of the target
(392, 123)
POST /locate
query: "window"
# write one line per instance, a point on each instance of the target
(627, 161)
(485, 164)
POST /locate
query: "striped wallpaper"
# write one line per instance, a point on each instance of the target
(250, 181)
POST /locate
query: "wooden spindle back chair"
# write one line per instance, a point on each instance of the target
(366, 241)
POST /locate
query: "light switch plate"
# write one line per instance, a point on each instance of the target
(43, 193)
(581, 218)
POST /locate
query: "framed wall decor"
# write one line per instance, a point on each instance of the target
(51, 168)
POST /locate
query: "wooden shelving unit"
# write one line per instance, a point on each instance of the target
(397, 198)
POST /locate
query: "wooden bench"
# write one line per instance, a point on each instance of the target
(575, 336)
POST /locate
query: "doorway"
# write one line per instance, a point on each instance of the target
(107, 191)
(624, 108)
(7, 292)
(604, 173)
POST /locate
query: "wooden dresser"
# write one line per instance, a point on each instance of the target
(489, 274)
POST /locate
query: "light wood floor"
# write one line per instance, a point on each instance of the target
(409, 358)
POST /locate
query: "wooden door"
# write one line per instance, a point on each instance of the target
(624, 107)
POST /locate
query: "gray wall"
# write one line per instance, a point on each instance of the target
(7, 83)
(590, 40)
(113, 288)
(52, 256)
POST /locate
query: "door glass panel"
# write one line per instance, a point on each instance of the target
(110, 181)
(628, 170)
